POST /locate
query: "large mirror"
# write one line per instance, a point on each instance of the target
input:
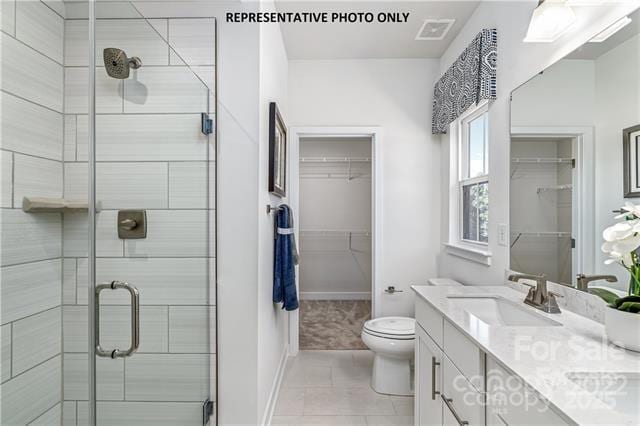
(569, 128)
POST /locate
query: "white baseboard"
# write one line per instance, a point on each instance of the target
(275, 389)
(328, 295)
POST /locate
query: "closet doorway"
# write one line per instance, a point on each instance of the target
(334, 196)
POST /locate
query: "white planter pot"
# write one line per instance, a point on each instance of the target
(623, 328)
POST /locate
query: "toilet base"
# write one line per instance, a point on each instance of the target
(392, 375)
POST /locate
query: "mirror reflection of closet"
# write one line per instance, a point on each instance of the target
(567, 162)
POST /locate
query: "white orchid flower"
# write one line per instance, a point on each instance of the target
(629, 208)
(620, 230)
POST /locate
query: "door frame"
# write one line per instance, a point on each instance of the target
(583, 201)
(376, 135)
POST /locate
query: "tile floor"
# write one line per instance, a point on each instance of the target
(333, 388)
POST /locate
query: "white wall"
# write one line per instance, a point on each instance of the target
(517, 62)
(395, 94)
(272, 322)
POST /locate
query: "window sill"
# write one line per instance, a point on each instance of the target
(468, 252)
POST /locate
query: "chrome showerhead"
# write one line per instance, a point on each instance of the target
(117, 64)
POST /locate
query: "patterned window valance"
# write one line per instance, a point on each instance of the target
(471, 78)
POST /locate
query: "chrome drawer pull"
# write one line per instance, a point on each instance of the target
(135, 320)
(434, 392)
(449, 403)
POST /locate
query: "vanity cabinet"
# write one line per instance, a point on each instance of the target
(428, 380)
(457, 384)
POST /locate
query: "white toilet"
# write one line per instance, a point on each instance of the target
(392, 341)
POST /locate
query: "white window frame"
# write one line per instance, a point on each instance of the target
(476, 251)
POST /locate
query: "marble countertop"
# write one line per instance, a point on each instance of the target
(542, 356)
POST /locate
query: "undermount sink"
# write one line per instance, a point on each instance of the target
(497, 311)
(620, 391)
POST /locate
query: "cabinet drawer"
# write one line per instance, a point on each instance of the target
(460, 396)
(511, 402)
(429, 319)
(466, 356)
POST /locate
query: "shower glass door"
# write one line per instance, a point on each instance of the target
(139, 340)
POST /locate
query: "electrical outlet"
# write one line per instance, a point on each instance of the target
(502, 234)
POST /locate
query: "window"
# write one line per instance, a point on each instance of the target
(473, 180)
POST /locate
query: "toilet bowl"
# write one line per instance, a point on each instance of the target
(391, 339)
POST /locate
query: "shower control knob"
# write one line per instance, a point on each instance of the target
(128, 224)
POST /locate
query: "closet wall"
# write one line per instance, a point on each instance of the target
(335, 219)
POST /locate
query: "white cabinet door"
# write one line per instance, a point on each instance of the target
(428, 380)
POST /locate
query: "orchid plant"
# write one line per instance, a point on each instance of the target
(621, 244)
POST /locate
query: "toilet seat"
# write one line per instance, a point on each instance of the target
(395, 328)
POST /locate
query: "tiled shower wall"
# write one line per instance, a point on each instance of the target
(31, 164)
(150, 155)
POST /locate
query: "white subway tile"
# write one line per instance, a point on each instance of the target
(5, 337)
(161, 281)
(28, 237)
(109, 378)
(8, 15)
(148, 413)
(135, 36)
(108, 92)
(159, 137)
(188, 185)
(165, 90)
(69, 281)
(70, 140)
(172, 233)
(36, 339)
(69, 414)
(192, 329)
(194, 40)
(30, 288)
(41, 28)
(31, 393)
(6, 179)
(31, 75)
(49, 418)
(30, 129)
(121, 185)
(115, 328)
(35, 177)
(75, 234)
(184, 377)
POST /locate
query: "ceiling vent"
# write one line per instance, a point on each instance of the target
(434, 29)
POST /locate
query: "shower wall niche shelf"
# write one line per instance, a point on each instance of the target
(50, 205)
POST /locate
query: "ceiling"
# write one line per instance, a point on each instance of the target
(370, 40)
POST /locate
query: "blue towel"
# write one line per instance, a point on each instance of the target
(284, 260)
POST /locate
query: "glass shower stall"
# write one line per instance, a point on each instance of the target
(108, 223)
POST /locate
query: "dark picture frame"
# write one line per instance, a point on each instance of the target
(277, 152)
(631, 155)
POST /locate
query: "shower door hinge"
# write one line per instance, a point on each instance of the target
(573, 243)
(207, 124)
(207, 412)
(573, 163)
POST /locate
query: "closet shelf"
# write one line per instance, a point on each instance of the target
(335, 159)
(542, 160)
(50, 205)
(555, 188)
(333, 233)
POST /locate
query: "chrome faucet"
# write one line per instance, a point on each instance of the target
(582, 282)
(538, 296)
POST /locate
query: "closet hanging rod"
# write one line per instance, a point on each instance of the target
(542, 160)
(335, 159)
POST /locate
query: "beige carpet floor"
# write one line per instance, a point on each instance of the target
(333, 324)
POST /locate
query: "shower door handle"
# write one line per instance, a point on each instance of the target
(135, 320)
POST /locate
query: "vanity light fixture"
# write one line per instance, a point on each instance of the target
(549, 21)
(611, 30)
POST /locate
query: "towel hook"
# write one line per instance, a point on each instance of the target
(271, 208)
